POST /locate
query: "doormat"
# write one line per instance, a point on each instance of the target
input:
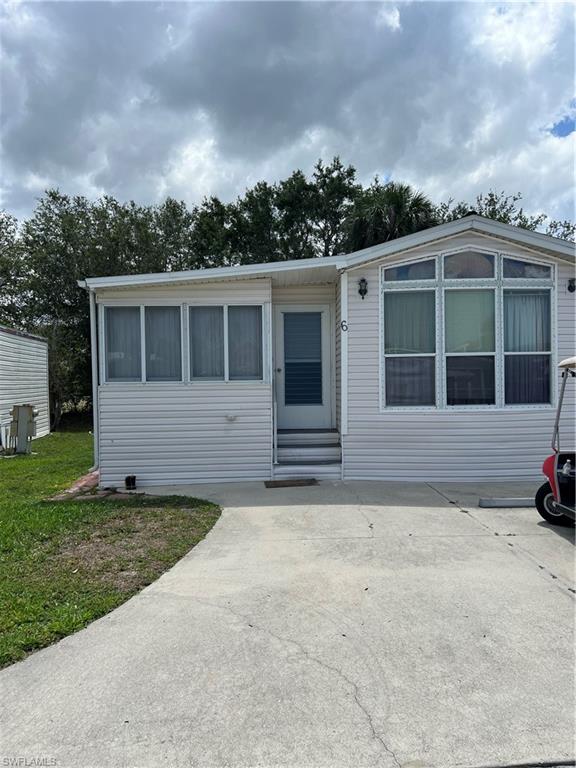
(290, 483)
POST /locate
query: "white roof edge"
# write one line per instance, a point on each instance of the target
(219, 273)
(563, 248)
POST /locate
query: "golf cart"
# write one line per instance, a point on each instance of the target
(555, 499)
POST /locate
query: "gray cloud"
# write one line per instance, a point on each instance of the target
(141, 100)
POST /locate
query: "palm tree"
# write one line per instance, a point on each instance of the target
(386, 211)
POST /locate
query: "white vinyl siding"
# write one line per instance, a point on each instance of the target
(24, 377)
(444, 444)
(188, 432)
(178, 434)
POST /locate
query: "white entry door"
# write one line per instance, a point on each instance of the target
(302, 363)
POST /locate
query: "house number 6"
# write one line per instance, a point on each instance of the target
(344, 325)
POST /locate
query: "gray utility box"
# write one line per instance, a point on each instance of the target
(22, 428)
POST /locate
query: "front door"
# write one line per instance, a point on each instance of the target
(302, 361)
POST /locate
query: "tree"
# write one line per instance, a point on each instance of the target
(10, 270)
(386, 211)
(502, 207)
(210, 236)
(56, 245)
(254, 226)
(334, 192)
(295, 199)
(175, 225)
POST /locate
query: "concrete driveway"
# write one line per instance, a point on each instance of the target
(357, 624)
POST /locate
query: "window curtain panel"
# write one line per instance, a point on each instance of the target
(245, 343)
(409, 322)
(123, 350)
(526, 321)
(163, 344)
(206, 342)
(469, 321)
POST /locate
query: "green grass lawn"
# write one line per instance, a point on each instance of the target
(65, 563)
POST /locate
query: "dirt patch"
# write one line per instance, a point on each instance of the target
(126, 551)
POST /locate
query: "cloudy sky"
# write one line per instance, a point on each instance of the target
(144, 100)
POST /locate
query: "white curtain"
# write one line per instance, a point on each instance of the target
(123, 350)
(409, 322)
(245, 343)
(163, 344)
(527, 329)
(526, 321)
(207, 342)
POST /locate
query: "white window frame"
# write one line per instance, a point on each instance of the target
(227, 379)
(498, 284)
(102, 307)
(185, 342)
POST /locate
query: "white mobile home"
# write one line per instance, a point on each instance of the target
(431, 357)
(24, 376)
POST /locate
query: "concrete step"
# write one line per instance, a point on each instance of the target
(328, 470)
(309, 454)
(308, 437)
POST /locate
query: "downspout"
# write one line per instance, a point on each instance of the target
(94, 360)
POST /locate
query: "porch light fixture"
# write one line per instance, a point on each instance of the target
(572, 285)
(362, 287)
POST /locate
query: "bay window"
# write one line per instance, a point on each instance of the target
(467, 329)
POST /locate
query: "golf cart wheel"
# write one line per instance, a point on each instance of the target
(545, 506)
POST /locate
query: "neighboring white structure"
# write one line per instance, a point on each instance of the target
(24, 376)
(431, 357)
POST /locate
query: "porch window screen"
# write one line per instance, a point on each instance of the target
(410, 347)
(123, 349)
(206, 342)
(526, 337)
(163, 344)
(245, 343)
